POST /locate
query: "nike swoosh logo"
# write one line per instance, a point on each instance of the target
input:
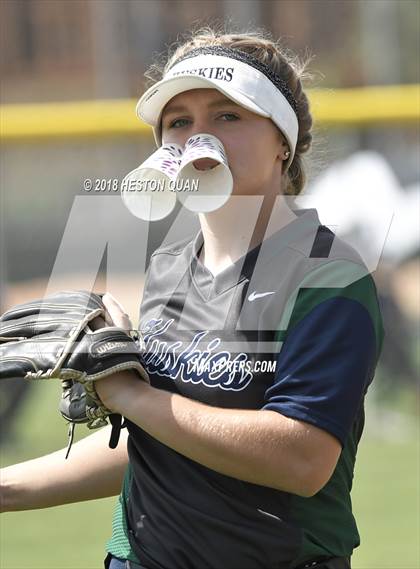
(254, 295)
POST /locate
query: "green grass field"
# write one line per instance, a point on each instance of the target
(386, 501)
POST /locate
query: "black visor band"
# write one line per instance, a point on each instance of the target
(247, 58)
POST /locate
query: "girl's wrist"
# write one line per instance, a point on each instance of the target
(118, 391)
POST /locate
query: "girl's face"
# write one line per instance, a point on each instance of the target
(254, 145)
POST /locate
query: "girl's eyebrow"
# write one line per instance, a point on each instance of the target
(214, 104)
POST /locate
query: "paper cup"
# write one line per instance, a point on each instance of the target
(146, 191)
(203, 190)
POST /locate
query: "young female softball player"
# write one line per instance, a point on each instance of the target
(260, 343)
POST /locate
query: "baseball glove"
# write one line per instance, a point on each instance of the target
(54, 338)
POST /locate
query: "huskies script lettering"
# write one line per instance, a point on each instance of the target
(197, 362)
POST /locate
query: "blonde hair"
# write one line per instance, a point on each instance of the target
(280, 59)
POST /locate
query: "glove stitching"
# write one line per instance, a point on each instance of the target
(20, 359)
(73, 336)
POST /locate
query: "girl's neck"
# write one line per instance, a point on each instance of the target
(239, 226)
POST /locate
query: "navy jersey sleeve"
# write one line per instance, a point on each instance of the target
(328, 356)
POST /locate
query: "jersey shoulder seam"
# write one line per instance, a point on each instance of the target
(174, 248)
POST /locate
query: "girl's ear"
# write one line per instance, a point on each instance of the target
(284, 151)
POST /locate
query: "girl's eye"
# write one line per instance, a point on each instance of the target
(177, 123)
(229, 117)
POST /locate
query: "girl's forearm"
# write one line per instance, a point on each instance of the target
(262, 447)
(92, 471)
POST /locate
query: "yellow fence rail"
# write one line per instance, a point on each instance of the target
(107, 118)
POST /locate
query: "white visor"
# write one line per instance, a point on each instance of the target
(237, 80)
